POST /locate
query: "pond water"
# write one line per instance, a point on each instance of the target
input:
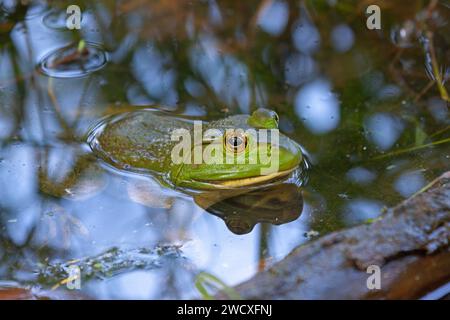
(370, 107)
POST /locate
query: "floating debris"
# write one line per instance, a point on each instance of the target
(311, 234)
(74, 60)
(110, 263)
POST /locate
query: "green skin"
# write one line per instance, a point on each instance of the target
(140, 141)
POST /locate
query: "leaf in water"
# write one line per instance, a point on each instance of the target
(150, 194)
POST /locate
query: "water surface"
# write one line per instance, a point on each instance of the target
(365, 104)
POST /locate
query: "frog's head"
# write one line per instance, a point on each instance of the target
(264, 119)
(248, 150)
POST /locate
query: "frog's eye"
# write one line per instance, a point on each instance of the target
(235, 141)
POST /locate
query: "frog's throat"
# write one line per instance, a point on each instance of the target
(235, 183)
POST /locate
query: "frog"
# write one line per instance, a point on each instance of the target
(142, 141)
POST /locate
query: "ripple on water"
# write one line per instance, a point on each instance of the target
(55, 19)
(70, 62)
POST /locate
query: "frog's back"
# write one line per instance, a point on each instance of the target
(138, 140)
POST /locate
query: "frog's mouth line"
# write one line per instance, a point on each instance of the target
(235, 183)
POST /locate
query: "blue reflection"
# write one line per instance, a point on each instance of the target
(318, 107)
(306, 37)
(194, 88)
(409, 182)
(360, 175)
(438, 109)
(18, 169)
(360, 210)
(274, 17)
(194, 109)
(215, 16)
(137, 285)
(6, 69)
(224, 74)
(389, 92)
(383, 130)
(6, 125)
(153, 70)
(299, 68)
(342, 38)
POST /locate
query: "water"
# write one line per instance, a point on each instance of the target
(71, 62)
(360, 101)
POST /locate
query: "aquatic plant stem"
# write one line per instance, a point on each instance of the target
(435, 67)
(57, 108)
(397, 152)
(204, 279)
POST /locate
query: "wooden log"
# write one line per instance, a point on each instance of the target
(409, 243)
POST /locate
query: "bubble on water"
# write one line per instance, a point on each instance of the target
(70, 62)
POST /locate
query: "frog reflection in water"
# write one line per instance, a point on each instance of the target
(141, 141)
(277, 204)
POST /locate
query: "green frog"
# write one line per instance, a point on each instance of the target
(143, 141)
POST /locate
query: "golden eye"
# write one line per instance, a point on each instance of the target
(235, 142)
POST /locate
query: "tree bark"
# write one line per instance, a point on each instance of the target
(410, 244)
